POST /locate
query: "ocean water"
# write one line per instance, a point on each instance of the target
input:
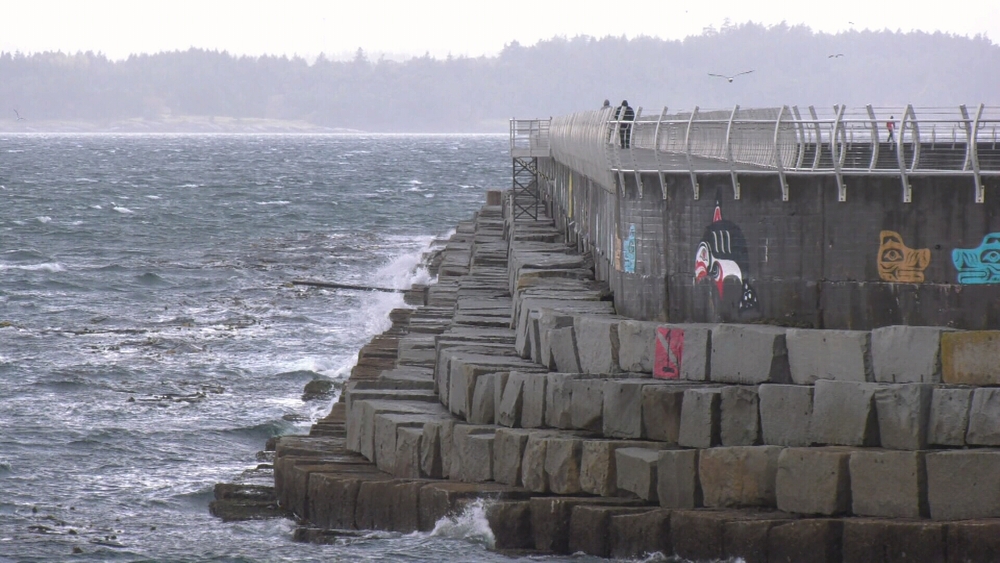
(150, 340)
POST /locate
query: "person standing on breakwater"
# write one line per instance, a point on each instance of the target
(624, 115)
(891, 127)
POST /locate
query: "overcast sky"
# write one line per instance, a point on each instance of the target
(404, 28)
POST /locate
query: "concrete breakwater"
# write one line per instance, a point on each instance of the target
(513, 379)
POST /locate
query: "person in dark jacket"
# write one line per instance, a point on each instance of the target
(625, 115)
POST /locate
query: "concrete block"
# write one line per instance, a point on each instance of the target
(551, 516)
(844, 414)
(636, 469)
(508, 450)
(816, 540)
(971, 357)
(440, 499)
(749, 354)
(586, 404)
(698, 535)
(739, 420)
(878, 541)
(623, 407)
(510, 522)
(746, 539)
(597, 343)
(499, 384)
(907, 354)
(984, 418)
(963, 484)
(889, 483)
(533, 475)
(533, 401)
(558, 397)
(661, 412)
(407, 464)
(565, 357)
(590, 528)
(903, 411)
(841, 355)
(677, 481)
(785, 414)
(598, 470)
(949, 417)
(435, 448)
(386, 427)
(696, 353)
(700, 418)
(549, 320)
(814, 481)
(472, 453)
(512, 401)
(637, 341)
(738, 476)
(635, 535)
(483, 400)
(562, 465)
(973, 540)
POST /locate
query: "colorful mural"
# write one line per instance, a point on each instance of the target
(669, 353)
(628, 250)
(980, 265)
(898, 262)
(722, 254)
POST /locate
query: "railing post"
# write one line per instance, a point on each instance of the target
(631, 151)
(777, 155)
(656, 153)
(875, 143)
(901, 158)
(687, 153)
(729, 152)
(972, 152)
(837, 124)
(800, 128)
(819, 137)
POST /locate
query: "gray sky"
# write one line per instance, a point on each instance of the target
(441, 27)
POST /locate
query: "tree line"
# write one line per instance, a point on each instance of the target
(791, 65)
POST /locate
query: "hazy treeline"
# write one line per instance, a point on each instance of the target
(792, 65)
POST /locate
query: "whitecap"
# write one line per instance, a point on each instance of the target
(189, 186)
(95, 206)
(470, 524)
(153, 197)
(45, 267)
(85, 181)
(429, 196)
(416, 182)
(124, 210)
(278, 202)
(43, 219)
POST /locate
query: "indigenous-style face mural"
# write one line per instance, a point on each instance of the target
(722, 254)
(980, 265)
(898, 262)
(628, 250)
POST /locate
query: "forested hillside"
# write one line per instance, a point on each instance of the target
(792, 65)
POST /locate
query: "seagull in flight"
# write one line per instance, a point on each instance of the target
(838, 55)
(730, 78)
(19, 118)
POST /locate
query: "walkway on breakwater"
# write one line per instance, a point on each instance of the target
(514, 380)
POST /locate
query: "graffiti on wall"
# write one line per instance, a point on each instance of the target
(722, 254)
(628, 250)
(980, 265)
(898, 262)
(669, 353)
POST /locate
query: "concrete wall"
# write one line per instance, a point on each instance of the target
(810, 262)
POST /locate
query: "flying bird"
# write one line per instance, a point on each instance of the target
(19, 118)
(730, 78)
(835, 56)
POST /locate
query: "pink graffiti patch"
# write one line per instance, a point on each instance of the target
(669, 353)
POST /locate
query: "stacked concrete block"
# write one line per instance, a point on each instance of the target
(841, 355)
(963, 484)
(508, 450)
(903, 411)
(533, 475)
(749, 354)
(598, 470)
(466, 368)
(869, 540)
(814, 480)
(636, 345)
(637, 471)
(590, 528)
(508, 413)
(984, 417)
(549, 320)
(738, 476)
(597, 343)
(407, 458)
(700, 418)
(563, 350)
(472, 453)
(558, 400)
(636, 535)
(695, 362)
(739, 419)
(586, 404)
(677, 481)
(661, 412)
(887, 483)
(786, 414)
(562, 464)
(435, 448)
(386, 433)
(482, 410)
(499, 384)
(533, 401)
(971, 357)
(622, 411)
(844, 414)
(907, 354)
(949, 416)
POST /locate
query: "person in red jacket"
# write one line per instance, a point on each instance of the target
(891, 126)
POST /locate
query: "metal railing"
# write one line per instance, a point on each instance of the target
(529, 138)
(781, 141)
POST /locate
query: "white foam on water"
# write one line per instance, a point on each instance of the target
(43, 219)
(429, 196)
(470, 525)
(279, 202)
(153, 196)
(96, 206)
(46, 267)
(122, 210)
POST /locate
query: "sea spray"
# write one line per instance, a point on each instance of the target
(469, 525)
